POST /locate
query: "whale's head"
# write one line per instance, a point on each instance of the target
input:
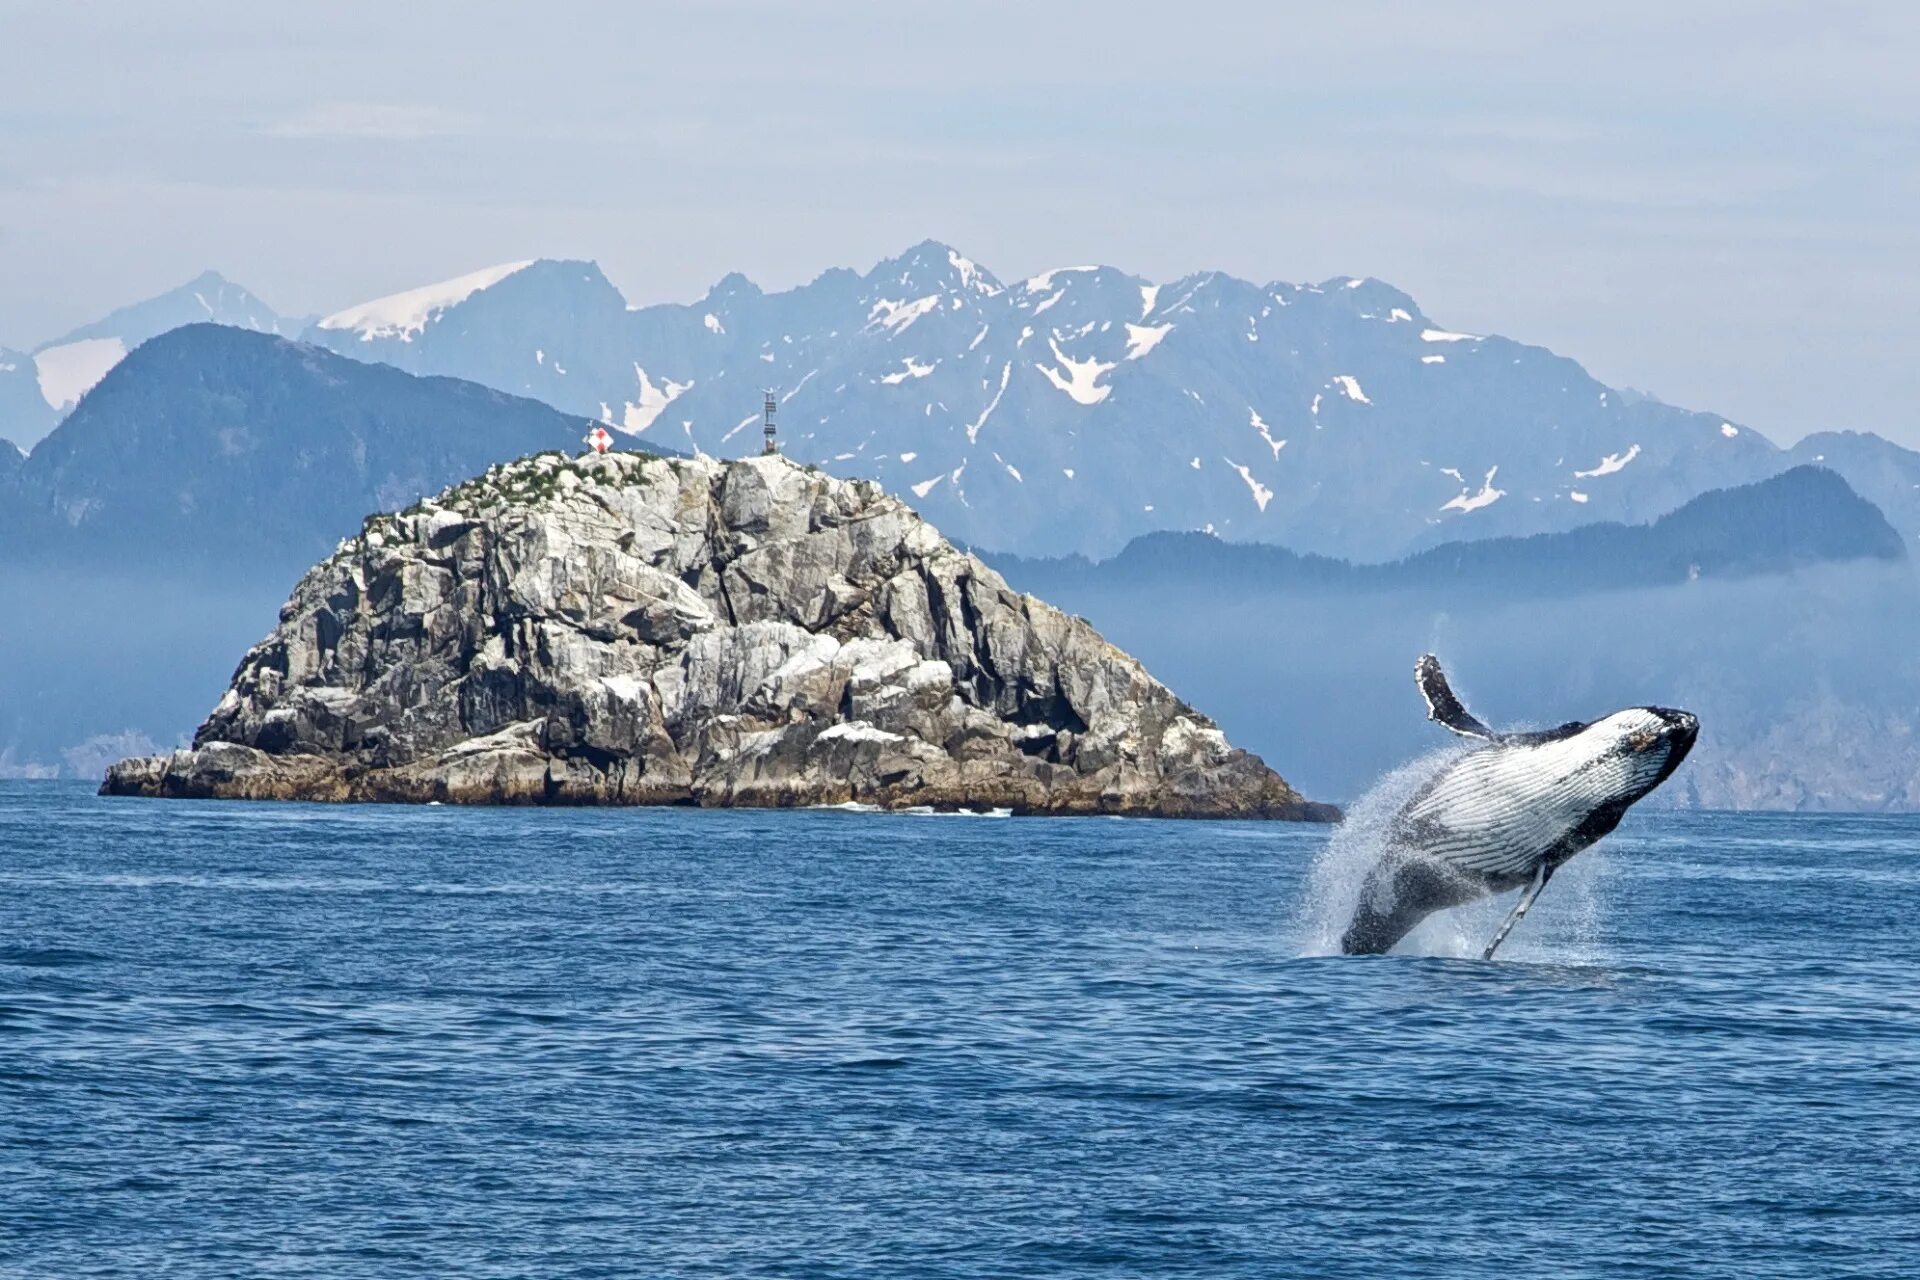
(1639, 748)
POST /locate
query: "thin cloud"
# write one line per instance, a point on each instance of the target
(381, 121)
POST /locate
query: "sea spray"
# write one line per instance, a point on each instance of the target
(1562, 928)
(1333, 886)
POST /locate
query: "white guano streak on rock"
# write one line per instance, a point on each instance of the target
(857, 731)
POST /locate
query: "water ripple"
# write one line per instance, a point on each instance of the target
(249, 1039)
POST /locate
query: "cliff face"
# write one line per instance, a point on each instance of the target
(631, 630)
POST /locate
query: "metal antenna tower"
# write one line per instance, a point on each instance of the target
(773, 444)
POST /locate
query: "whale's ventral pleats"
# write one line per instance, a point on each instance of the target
(1507, 815)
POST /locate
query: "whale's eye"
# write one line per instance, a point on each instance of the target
(1642, 741)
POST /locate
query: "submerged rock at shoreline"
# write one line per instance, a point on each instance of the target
(624, 629)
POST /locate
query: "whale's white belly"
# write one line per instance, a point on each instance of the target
(1498, 811)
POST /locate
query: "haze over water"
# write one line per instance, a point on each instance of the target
(239, 1039)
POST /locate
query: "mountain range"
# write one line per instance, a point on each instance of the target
(1070, 411)
(230, 449)
(1081, 407)
(39, 387)
(1804, 516)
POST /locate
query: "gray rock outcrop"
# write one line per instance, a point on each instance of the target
(634, 630)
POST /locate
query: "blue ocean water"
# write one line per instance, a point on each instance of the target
(242, 1040)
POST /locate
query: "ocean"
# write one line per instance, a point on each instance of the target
(294, 1040)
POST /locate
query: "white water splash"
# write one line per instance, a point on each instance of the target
(1333, 885)
(1562, 928)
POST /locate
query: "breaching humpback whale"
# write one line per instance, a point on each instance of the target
(1507, 815)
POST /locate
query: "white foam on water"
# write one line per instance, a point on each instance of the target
(1563, 927)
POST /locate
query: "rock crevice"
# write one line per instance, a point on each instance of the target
(634, 630)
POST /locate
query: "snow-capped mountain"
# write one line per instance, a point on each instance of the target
(38, 388)
(1081, 407)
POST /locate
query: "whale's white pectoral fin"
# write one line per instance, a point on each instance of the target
(1441, 703)
(1527, 895)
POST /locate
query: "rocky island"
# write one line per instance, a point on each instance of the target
(624, 629)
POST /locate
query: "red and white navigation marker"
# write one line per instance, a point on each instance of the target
(601, 439)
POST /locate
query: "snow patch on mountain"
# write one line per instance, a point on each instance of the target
(910, 368)
(67, 372)
(653, 401)
(896, 317)
(1080, 377)
(1043, 283)
(1351, 385)
(1487, 496)
(1610, 464)
(1443, 335)
(1266, 433)
(1261, 494)
(1143, 338)
(973, 428)
(971, 277)
(402, 315)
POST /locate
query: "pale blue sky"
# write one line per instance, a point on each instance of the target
(1712, 201)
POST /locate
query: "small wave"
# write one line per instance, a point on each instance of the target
(48, 957)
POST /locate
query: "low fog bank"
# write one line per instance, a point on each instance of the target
(97, 665)
(1807, 684)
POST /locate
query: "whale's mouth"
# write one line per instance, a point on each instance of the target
(1681, 729)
